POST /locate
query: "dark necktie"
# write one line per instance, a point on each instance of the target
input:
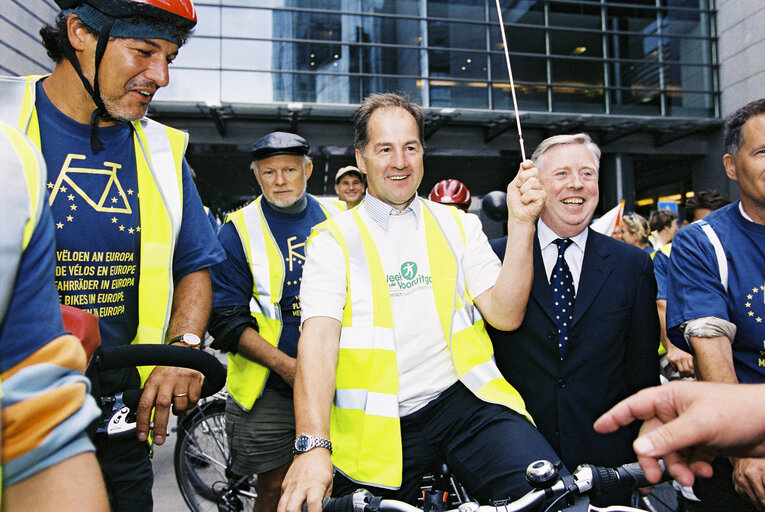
(562, 287)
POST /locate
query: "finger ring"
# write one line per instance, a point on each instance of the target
(180, 395)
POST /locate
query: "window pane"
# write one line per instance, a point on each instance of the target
(456, 35)
(457, 64)
(445, 93)
(520, 39)
(409, 86)
(530, 97)
(458, 9)
(577, 85)
(636, 101)
(199, 52)
(184, 86)
(391, 61)
(389, 30)
(690, 104)
(525, 68)
(528, 12)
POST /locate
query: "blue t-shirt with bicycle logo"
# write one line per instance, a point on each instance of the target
(94, 202)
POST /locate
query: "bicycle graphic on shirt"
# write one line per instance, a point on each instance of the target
(65, 176)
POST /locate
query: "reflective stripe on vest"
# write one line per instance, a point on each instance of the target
(247, 379)
(333, 206)
(23, 177)
(159, 154)
(364, 413)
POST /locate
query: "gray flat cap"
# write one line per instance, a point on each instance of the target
(279, 143)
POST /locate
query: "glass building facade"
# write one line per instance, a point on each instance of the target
(628, 57)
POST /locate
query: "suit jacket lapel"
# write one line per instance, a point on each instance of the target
(540, 287)
(596, 267)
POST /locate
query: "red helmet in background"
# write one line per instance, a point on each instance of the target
(451, 192)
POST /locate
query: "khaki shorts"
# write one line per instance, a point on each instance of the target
(262, 438)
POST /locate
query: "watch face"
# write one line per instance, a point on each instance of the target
(303, 443)
(191, 339)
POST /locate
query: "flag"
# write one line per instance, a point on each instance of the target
(612, 218)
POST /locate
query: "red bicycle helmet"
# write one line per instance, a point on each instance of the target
(451, 192)
(179, 13)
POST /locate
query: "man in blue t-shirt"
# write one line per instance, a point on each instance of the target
(677, 363)
(256, 310)
(716, 297)
(133, 244)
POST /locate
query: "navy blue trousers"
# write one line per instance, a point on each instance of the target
(127, 472)
(486, 446)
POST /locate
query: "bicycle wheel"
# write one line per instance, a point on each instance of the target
(201, 461)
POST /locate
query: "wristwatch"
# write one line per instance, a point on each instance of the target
(306, 443)
(189, 339)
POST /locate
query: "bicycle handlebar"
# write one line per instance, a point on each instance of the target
(127, 356)
(118, 417)
(587, 481)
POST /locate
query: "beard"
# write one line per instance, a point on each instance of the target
(286, 203)
(119, 112)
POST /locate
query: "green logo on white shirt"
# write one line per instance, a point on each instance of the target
(409, 270)
(407, 280)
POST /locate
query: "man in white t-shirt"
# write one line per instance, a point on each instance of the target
(395, 369)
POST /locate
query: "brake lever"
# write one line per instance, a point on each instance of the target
(119, 420)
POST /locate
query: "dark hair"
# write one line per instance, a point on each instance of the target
(706, 199)
(660, 219)
(383, 100)
(55, 37)
(734, 124)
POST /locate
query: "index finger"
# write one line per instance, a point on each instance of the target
(640, 406)
(143, 412)
(162, 403)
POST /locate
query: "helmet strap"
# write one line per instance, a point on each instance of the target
(93, 90)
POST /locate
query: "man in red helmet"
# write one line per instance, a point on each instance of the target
(133, 244)
(452, 192)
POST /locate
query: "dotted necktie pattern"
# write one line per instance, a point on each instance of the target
(562, 287)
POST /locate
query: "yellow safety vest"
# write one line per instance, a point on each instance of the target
(159, 154)
(333, 206)
(364, 422)
(246, 378)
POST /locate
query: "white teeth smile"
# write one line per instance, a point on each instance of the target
(397, 178)
(144, 93)
(573, 201)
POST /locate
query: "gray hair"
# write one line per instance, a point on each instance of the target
(306, 161)
(557, 140)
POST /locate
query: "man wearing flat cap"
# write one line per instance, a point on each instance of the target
(349, 186)
(256, 310)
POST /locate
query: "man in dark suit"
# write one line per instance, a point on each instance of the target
(591, 332)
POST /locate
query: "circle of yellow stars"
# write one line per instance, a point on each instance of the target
(299, 279)
(748, 303)
(73, 207)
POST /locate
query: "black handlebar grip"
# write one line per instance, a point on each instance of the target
(634, 474)
(343, 504)
(627, 476)
(127, 356)
(604, 480)
(131, 397)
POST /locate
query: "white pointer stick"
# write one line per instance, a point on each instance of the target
(512, 82)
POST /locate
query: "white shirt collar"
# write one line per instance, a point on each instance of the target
(380, 211)
(743, 213)
(548, 236)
